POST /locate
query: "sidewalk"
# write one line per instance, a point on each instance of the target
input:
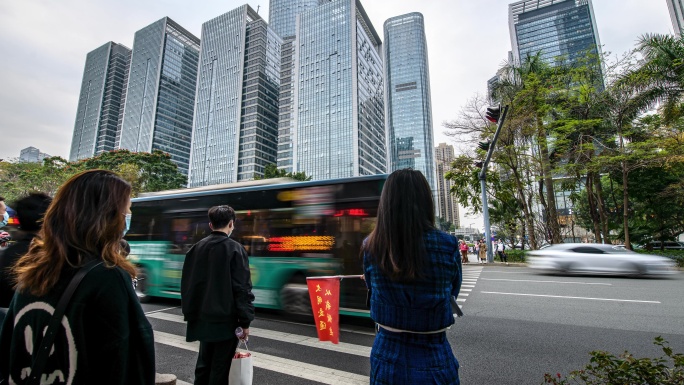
(473, 260)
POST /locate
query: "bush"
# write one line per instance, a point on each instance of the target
(676, 255)
(605, 368)
(515, 255)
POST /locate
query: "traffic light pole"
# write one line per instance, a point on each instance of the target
(483, 186)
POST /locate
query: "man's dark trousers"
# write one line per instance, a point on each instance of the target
(213, 362)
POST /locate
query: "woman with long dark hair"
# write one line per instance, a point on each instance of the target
(104, 337)
(412, 270)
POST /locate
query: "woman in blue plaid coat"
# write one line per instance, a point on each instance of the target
(412, 270)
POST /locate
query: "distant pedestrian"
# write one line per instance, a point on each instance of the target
(216, 297)
(30, 211)
(412, 270)
(482, 252)
(464, 251)
(501, 251)
(4, 215)
(104, 336)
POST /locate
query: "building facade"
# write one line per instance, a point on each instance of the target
(559, 29)
(160, 97)
(676, 8)
(103, 91)
(339, 127)
(408, 107)
(283, 19)
(447, 205)
(32, 155)
(235, 127)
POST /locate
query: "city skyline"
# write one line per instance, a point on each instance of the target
(52, 99)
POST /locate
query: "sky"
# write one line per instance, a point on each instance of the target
(44, 43)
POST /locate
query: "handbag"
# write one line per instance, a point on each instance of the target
(40, 360)
(242, 367)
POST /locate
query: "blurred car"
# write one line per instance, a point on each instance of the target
(591, 258)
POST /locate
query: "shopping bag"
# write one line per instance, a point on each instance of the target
(242, 367)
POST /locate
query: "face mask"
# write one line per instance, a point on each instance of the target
(128, 224)
(5, 219)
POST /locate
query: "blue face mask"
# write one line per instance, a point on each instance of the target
(5, 219)
(128, 224)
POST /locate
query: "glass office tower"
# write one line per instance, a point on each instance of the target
(161, 91)
(236, 114)
(408, 106)
(559, 29)
(283, 19)
(676, 8)
(103, 91)
(339, 93)
(447, 207)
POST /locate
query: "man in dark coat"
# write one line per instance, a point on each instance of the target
(216, 296)
(30, 211)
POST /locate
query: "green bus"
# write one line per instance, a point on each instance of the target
(291, 230)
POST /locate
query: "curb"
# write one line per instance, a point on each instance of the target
(165, 379)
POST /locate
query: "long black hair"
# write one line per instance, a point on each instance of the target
(405, 213)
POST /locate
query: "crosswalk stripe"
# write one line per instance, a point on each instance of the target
(342, 347)
(277, 364)
(466, 289)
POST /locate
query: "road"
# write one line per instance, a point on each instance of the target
(518, 325)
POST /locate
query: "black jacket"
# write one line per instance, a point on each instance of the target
(104, 337)
(7, 259)
(216, 285)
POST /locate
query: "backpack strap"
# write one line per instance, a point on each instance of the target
(43, 353)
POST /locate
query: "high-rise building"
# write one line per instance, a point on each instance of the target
(283, 19)
(448, 206)
(339, 127)
(676, 8)
(559, 29)
(32, 155)
(407, 88)
(235, 130)
(100, 102)
(161, 91)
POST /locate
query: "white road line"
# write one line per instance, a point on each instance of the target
(179, 382)
(532, 280)
(160, 310)
(342, 347)
(460, 299)
(463, 294)
(466, 289)
(568, 297)
(277, 364)
(467, 285)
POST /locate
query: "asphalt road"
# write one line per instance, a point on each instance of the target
(518, 326)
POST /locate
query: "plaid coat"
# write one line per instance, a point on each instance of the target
(423, 305)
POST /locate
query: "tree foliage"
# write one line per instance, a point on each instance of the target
(272, 171)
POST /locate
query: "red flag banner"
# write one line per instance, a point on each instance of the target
(325, 302)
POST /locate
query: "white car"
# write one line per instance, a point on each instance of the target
(592, 258)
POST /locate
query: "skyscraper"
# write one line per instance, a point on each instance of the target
(161, 91)
(408, 105)
(235, 130)
(32, 155)
(283, 19)
(447, 207)
(676, 8)
(556, 28)
(339, 128)
(100, 101)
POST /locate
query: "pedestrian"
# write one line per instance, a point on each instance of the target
(4, 215)
(464, 251)
(501, 251)
(30, 211)
(216, 297)
(103, 337)
(482, 253)
(412, 271)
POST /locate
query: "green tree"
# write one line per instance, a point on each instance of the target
(21, 178)
(272, 171)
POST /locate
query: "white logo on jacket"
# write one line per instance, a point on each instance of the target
(52, 375)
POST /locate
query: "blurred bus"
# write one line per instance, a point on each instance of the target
(291, 230)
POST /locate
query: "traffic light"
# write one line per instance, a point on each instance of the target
(484, 146)
(493, 114)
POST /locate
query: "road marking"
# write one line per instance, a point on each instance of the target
(532, 280)
(568, 297)
(342, 347)
(466, 290)
(277, 364)
(463, 294)
(160, 310)
(467, 285)
(460, 299)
